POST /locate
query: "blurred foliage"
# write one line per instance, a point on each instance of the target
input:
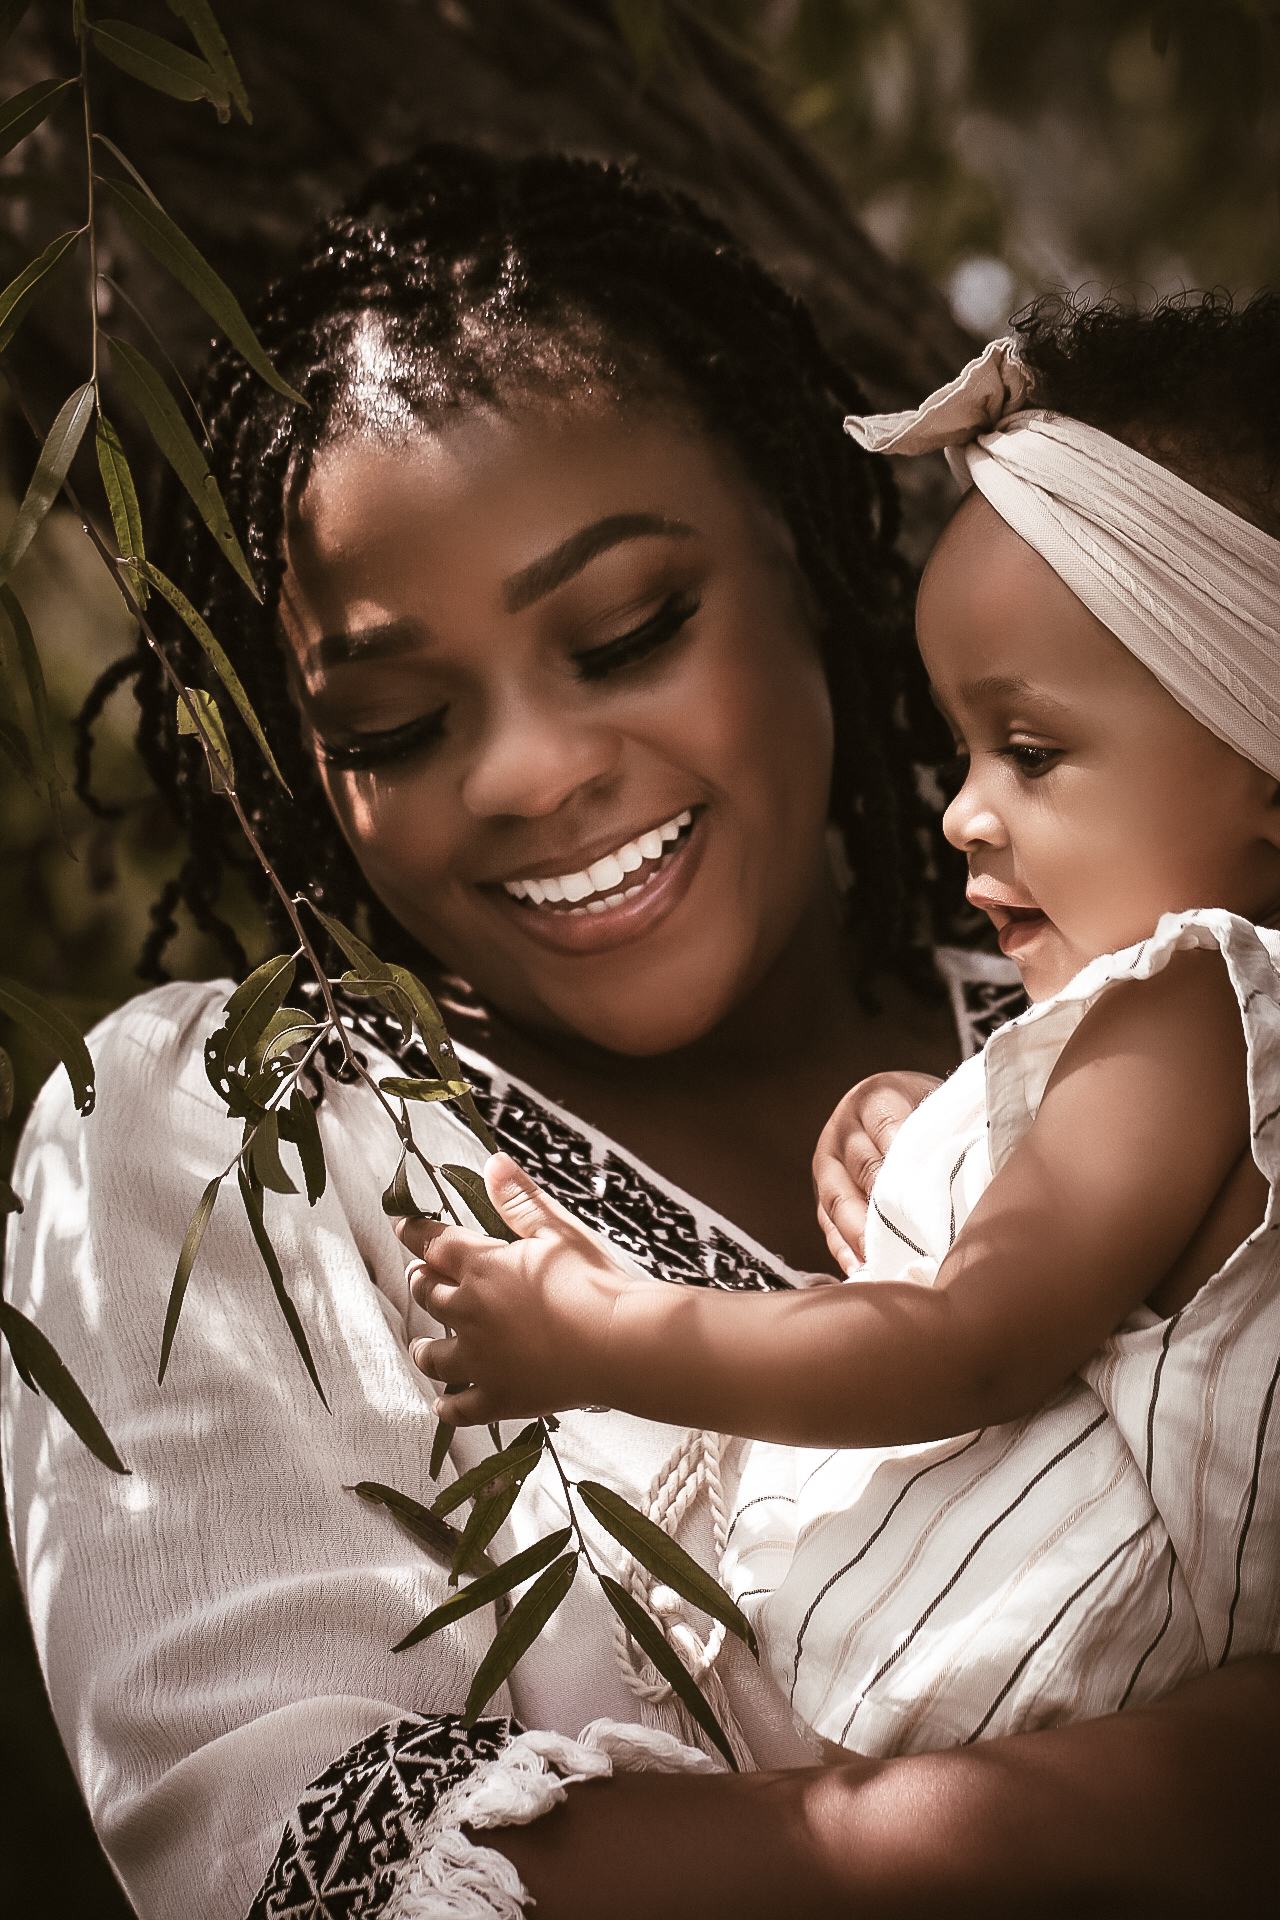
(1008, 149)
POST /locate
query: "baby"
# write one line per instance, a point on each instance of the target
(1046, 1481)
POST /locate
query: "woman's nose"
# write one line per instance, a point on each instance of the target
(530, 757)
(971, 820)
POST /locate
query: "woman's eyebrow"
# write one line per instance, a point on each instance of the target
(378, 642)
(543, 576)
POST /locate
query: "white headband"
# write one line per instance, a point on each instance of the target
(1191, 589)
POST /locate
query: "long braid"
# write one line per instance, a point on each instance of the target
(565, 272)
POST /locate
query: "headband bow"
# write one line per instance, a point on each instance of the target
(1190, 588)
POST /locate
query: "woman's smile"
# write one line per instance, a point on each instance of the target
(566, 700)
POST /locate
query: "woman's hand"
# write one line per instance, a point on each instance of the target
(531, 1318)
(851, 1152)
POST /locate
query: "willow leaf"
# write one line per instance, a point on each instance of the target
(398, 1202)
(11, 11)
(440, 1446)
(177, 443)
(198, 17)
(512, 1466)
(489, 1587)
(20, 293)
(122, 496)
(182, 1273)
(213, 648)
(52, 1029)
(298, 1123)
(435, 1037)
(154, 230)
(38, 1361)
(56, 455)
(17, 749)
(518, 1632)
(254, 1002)
(423, 1089)
(284, 1030)
(435, 1537)
(263, 1156)
(32, 673)
(128, 166)
(217, 749)
(486, 1517)
(160, 64)
(658, 1552)
(23, 113)
(257, 1226)
(469, 1184)
(649, 1637)
(6, 1085)
(361, 957)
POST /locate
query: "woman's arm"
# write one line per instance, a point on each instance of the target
(1163, 1811)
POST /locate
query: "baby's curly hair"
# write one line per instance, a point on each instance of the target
(1193, 383)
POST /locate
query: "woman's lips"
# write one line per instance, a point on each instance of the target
(618, 919)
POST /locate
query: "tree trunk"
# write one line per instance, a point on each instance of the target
(339, 86)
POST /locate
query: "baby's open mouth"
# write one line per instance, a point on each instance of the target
(607, 882)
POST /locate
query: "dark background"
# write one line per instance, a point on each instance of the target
(916, 168)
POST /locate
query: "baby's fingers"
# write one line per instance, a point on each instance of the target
(848, 1258)
(439, 1360)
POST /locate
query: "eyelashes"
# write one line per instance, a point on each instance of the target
(380, 749)
(596, 663)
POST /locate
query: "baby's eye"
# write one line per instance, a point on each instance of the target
(1031, 761)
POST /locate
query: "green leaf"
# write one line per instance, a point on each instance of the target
(199, 19)
(489, 1587)
(253, 1003)
(643, 26)
(56, 456)
(182, 1273)
(424, 1089)
(11, 11)
(222, 666)
(6, 1085)
(160, 64)
(363, 958)
(509, 1468)
(33, 674)
(649, 1637)
(435, 1037)
(518, 1632)
(486, 1517)
(52, 1029)
(440, 1446)
(129, 168)
(398, 1202)
(263, 1157)
(435, 1537)
(257, 1225)
(20, 293)
(176, 442)
(153, 229)
(470, 1185)
(37, 1360)
(658, 1552)
(217, 751)
(23, 113)
(284, 1030)
(122, 496)
(298, 1123)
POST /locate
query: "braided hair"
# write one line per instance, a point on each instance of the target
(456, 277)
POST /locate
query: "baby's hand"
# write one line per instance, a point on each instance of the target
(851, 1152)
(531, 1318)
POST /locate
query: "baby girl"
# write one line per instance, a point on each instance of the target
(1041, 1480)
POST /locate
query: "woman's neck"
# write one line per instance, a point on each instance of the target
(733, 1117)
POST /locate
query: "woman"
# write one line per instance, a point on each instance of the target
(579, 592)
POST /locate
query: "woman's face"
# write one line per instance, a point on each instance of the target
(563, 691)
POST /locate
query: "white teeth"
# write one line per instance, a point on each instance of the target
(602, 874)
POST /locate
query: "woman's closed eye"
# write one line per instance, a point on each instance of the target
(380, 749)
(628, 649)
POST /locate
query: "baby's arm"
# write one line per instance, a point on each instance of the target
(1141, 1126)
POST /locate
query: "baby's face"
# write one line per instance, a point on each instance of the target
(1093, 802)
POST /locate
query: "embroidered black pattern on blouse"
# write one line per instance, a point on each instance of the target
(354, 1827)
(611, 1197)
